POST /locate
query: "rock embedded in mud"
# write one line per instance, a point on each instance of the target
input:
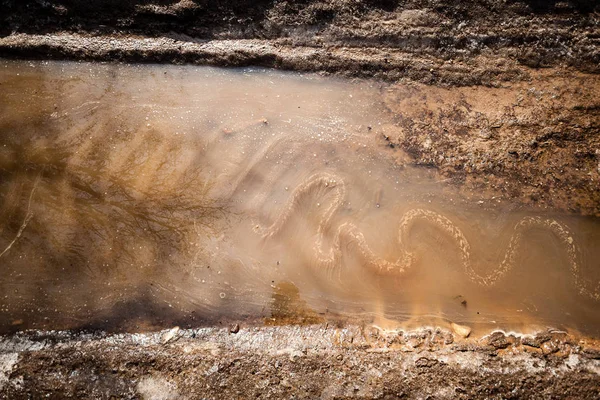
(550, 347)
(424, 362)
(499, 340)
(461, 330)
(535, 341)
(170, 335)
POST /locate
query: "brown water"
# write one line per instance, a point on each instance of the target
(143, 196)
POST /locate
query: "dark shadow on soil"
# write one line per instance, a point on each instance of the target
(555, 6)
(243, 18)
(143, 313)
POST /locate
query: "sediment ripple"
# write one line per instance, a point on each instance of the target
(329, 258)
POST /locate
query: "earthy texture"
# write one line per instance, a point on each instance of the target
(452, 42)
(500, 97)
(318, 361)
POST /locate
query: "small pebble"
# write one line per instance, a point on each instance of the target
(170, 335)
(461, 330)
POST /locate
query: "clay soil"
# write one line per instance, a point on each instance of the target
(500, 97)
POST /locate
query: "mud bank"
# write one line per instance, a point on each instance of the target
(536, 142)
(319, 361)
(451, 43)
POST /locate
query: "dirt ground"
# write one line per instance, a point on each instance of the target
(534, 143)
(451, 42)
(319, 361)
(500, 97)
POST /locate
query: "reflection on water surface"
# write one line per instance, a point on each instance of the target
(134, 197)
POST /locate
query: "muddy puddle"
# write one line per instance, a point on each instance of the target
(138, 197)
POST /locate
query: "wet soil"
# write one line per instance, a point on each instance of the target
(520, 123)
(537, 142)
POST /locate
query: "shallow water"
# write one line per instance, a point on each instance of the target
(136, 197)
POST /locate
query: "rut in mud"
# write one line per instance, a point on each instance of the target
(138, 197)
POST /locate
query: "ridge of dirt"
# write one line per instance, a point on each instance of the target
(304, 362)
(451, 43)
(353, 62)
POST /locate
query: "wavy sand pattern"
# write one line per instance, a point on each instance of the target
(330, 259)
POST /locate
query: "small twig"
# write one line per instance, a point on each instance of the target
(28, 217)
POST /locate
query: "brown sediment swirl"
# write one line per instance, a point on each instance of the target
(329, 259)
